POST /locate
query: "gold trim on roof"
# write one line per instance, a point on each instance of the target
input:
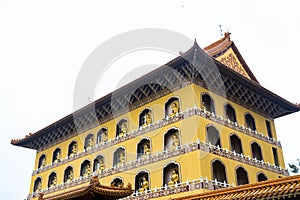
(271, 189)
(93, 190)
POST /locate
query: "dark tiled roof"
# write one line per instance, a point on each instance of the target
(188, 64)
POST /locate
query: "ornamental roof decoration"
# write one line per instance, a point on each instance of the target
(283, 188)
(225, 51)
(193, 66)
(92, 191)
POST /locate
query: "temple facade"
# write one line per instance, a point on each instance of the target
(196, 124)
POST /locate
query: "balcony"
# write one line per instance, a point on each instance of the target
(179, 188)
(169, 153)
(157, 125)
(200, 183)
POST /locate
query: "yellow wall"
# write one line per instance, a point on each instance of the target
(193, 165)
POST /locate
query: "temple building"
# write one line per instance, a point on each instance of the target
(199, 127)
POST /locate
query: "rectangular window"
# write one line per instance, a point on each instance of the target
(140, 150)
(275, 156)
(268, 124)
(143, 120)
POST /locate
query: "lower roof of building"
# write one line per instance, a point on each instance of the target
(92, 191)
(282, 188)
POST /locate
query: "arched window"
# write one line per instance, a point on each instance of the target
(42, 161)
(171, 174)
(37, 185)
(72, 150)
(250, 122)
(145, 118)
(85, 168)
(56, 156)
(207, 103)
(256, 151)
(241, 176)
(219, 172)
(117, 182)
(172, 107)
(142, 181)
(52, 180)
(68, 175)
(143, 148)
(171, 139)
(261, 177)
(122, 128)
(213, 136)
(236, 144)
(99, 163)
(230, 113)
(89, 141)
(119, 156)
(102, 135)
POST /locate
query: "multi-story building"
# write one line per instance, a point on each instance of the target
(198, 123)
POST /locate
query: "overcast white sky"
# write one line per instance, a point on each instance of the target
(44, 43)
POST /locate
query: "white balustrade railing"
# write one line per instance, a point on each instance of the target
(157, 125)
(201, 183)
(197, 184)
(169, 153)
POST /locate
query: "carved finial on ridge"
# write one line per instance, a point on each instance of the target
(95, 180)
(129, 186)
(227, 34)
